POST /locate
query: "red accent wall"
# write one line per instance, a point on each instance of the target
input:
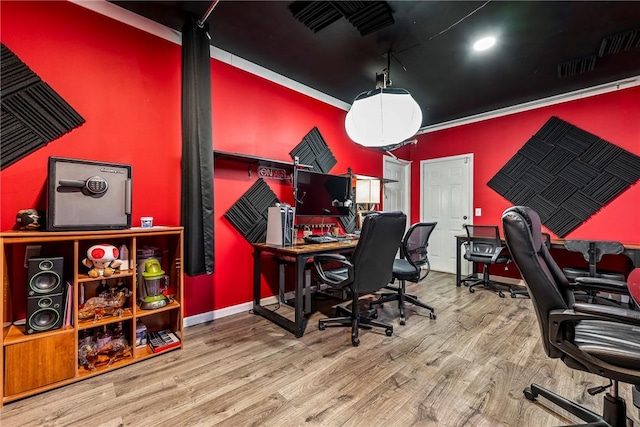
(614, 117)
(126, 84)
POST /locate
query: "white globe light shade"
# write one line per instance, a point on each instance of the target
(383, 117)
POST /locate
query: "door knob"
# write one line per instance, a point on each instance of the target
(464, 217)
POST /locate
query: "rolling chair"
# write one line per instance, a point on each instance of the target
(599, 339)
(484, 246)
(413, 266)
(369, 269)
(592, 251)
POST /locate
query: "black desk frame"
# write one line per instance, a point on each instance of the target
(302, 254)
(631, 250)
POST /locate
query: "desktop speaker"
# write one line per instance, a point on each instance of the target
(44, 276)
(45, 296)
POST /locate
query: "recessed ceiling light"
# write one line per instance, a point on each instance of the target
(484, 43)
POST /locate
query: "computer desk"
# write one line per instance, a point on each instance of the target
(301, 253)
(631, 250)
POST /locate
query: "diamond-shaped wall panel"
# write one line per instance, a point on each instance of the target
(249, 214)
(32, 113)
(566, 174)
(314, 151)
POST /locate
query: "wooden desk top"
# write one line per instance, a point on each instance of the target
(301, 248)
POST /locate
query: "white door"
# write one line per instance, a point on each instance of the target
(446, 196)
(396, 194)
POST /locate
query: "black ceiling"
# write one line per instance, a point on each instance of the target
(432, 59)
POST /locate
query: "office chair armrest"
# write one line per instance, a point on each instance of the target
(498, 252)
(597, 284)
(588, 312)
(320, 260)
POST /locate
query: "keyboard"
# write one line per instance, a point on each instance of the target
(316, 239)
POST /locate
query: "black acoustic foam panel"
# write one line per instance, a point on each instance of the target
(566, 174)
(314, 151)
(249, 214)
(32, 113)
(349, 222)
(367, 16)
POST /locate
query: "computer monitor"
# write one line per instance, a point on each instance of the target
(320, 194)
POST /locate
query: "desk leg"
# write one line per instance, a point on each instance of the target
(300, 319)
(256, 279)
(458, 262)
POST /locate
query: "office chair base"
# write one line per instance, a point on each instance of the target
(489, 284)
(516, 292)
(401, 297)
(364, 321)
(614, 412)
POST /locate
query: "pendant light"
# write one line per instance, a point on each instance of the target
(383, 116)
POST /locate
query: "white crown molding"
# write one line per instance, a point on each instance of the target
(544, 102)
(117, 13)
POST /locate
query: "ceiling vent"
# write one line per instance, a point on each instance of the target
(617, 42)
(576, 66)
(367, 16)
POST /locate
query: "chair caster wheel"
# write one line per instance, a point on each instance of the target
(321, 326)
(388, 331)
(530, 395)
(501, 294)
(471, 290)
(355, 341)
(374, 315)
(432, 315)
(513, 295)
(403, 322)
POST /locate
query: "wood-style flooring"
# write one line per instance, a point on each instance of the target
(468, 367)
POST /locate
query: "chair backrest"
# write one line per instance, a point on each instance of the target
(547, 285)
(373, 256)
(414, 246)
(482, 239)
(592, 250)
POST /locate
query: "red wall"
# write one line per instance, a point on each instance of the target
(126, 84)
(614, 117)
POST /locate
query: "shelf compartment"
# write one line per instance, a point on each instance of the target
(84, 278)
(146, 352)
(17, 334)
(143, 313)
(127, 314)
(101, 366)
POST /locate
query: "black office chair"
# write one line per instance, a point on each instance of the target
(484, 246)
(599, 339)
(413, 266)
(368, 270)
(592, 252)
(546, 240)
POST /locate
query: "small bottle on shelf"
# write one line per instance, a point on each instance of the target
(104, 336)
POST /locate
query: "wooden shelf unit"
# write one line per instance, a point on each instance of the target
(33, 363)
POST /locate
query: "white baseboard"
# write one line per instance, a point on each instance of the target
(224, 312)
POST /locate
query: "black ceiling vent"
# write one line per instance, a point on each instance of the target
(621, 41)
(315, 14)
(576, 66)
(367, 16)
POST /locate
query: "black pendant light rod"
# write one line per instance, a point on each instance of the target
(207, 13)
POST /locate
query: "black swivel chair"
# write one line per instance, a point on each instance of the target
(484, 246)
(368, 270)
(603, 340)
(413, 266)
(592, 252)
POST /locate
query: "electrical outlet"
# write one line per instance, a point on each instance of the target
(478, 211)
(31, 251)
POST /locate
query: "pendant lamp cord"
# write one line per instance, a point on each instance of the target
(207, 13)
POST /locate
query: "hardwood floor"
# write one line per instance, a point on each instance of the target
(466, 368)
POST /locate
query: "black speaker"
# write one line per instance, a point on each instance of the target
(45, 295)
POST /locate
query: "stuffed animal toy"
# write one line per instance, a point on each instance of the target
(102, 260)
